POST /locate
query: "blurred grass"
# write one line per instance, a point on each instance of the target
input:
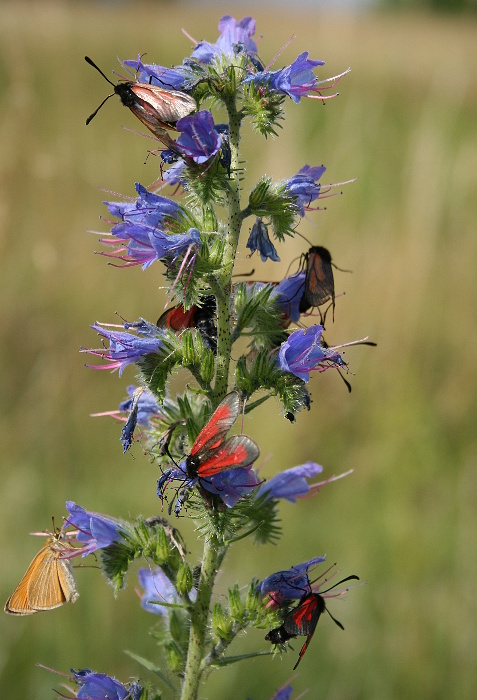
(405, 125)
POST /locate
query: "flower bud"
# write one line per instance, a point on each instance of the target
(188, 350)
(174, 658)
(184, 580)
(162, 547)
(207, 367)
(221, 624)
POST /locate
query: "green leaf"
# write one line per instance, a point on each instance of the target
(228, 660)
(151, 666)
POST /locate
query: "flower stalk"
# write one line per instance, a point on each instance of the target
(187, 436)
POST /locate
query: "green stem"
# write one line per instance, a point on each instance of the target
(224, 339)
(213, 552)
(199, 620)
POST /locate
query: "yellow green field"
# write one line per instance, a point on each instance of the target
(405, 124)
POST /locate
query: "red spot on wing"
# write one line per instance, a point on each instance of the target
(303, 649)
(306, 612)
(218, 425)
(177, 319)
(237, 451)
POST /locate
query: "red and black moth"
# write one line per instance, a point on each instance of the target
(302, 620)
(319, 280)
(156, 107)
(201, 317)
(213, 453)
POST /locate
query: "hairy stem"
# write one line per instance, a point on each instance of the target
(224, 339)
(199, 620)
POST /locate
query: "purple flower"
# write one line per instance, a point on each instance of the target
(140, 406)
(230, 485)
(234, 37)
(126, 348)
(303, 186)
(290, 484)
(296, 80)
(283, 693)
(199, 139)
(303, 352)
(288, 293)
(95, 531)
(147, 405)
(158, 587)
(290, 584)
(175, 174)
(99, 686)
(149, 209)
(170, 78)
(139, 239)
(260, 240)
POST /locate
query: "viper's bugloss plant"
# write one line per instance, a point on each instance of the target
(186, 229)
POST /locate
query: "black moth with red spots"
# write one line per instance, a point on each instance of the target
(302, 620)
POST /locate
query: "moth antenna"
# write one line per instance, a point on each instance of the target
(348, 385)
(92, 63)
(337, 622)
(341, 269)
(353, 577)
(91, 116)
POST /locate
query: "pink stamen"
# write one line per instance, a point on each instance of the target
(189, 36)
(277, 55)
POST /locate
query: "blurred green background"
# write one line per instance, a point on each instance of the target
(405, 521)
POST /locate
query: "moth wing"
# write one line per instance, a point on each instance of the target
(237, 451)
(218, 425)
(67, 581)
(18, 603)
(170, 105)
(304, 618)
(303, 649)
(319, 281)
(177, 318)
(45, 591)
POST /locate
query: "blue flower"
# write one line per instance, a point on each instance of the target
(288, 294)
(235, 37)
(296, 80)
(147, 405)
(283, 693)
(149, 208)
(291, 483)
(139, 239)
(157, 586)
(230, 485)
(290, 584)
(260, 240)
(126, 348)
(175, 174)
(95, 531)
(303, 186)
(303, 352)
(199, 139)
(99, 686)
(141, 406)
(176, 78)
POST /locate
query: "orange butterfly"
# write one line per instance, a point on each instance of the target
(48, 582)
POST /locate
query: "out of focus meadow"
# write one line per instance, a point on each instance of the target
(405, 124)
